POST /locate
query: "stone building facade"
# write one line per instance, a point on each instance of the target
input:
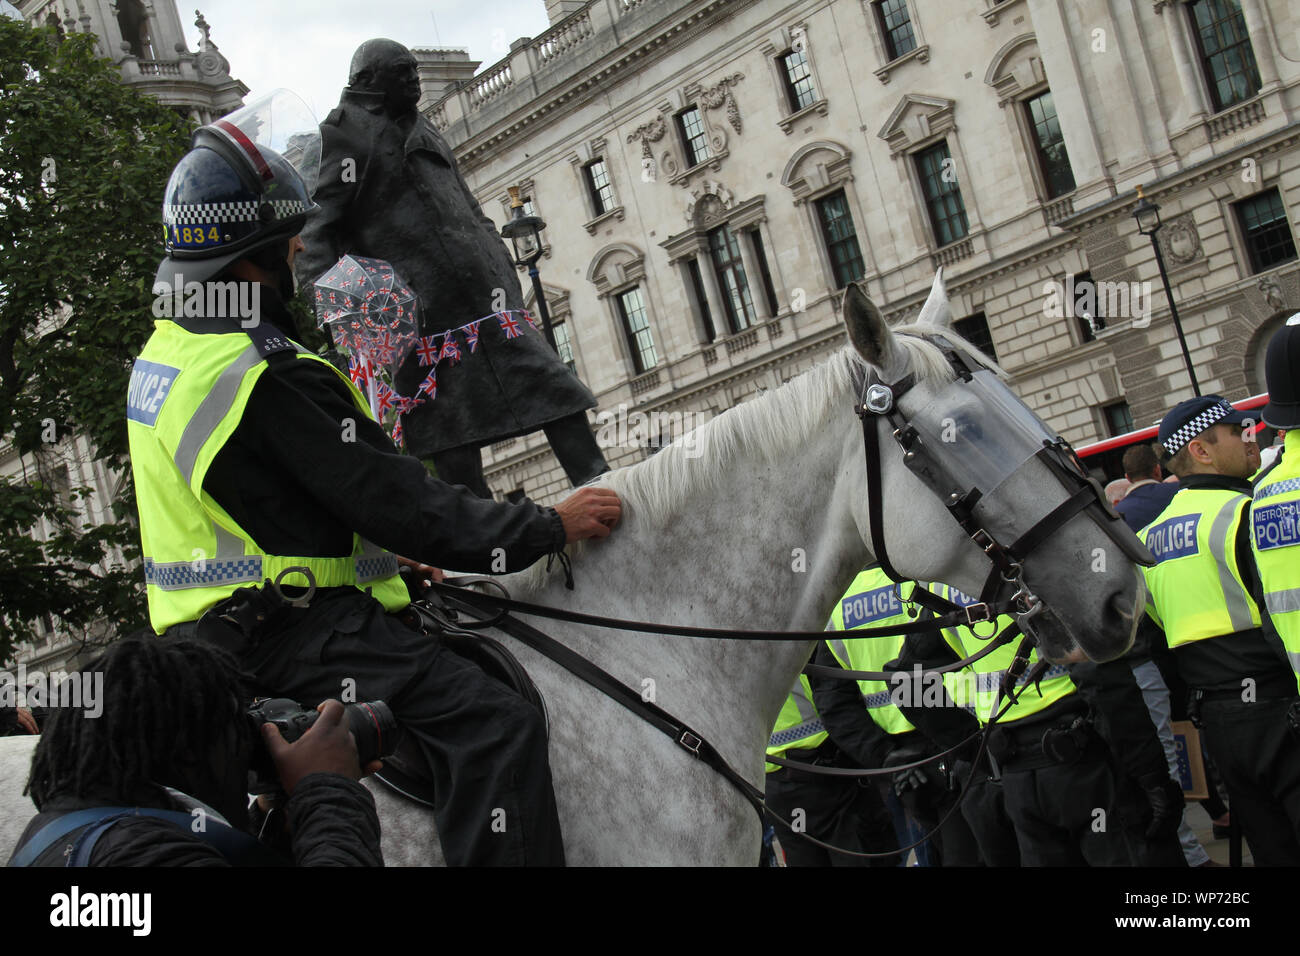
(146, 41)
(713, 172)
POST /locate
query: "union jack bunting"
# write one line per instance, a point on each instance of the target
(427, 349)
(430, 385)
(450, 350)
(384, 398)
(471, 334)
(510, 326)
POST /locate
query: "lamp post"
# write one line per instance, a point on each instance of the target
(525, 235)
(1147, 215)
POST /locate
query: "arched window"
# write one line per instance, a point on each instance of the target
(134, 24)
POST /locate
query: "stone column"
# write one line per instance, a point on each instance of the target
(1261, 42)
(754, 278)
(1197, 108)
(773, 265)
(713, 292)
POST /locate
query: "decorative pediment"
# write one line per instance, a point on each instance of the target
(1016, 68)
(915, 119)
(557, 299)
(815, 167)
(708, 204)
(617, 265)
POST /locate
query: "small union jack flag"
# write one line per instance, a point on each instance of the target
(532, 321)
(357, 372)
(430, 385)
(471, 334)
(397, 434)
(427, 349)
(384, 398)
(450, 350)
(510, 326)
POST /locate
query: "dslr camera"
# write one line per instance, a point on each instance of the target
(373, 726)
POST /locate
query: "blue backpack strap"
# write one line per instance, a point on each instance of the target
(47, 835)
(238, 848)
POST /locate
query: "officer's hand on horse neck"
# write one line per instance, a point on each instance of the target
(589, 513)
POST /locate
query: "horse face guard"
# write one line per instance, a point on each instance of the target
(985, 452)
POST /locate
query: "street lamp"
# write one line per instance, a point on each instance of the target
(525, 235)
(1147, 215)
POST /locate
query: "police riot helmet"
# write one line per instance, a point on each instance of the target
(1282, 376)
(244, 187)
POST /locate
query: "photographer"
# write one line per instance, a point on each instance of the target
(174, 736)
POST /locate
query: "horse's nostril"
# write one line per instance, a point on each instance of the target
(1122, 606)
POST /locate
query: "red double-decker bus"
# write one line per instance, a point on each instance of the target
(1103, 458)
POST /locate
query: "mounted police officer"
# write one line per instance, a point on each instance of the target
(271, 502)
(1203, 593)
(390, 189)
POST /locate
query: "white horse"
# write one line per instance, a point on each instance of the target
(761, 524)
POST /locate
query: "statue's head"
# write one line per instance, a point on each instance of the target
(387, 67)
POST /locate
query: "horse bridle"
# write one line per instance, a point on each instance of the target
(878, 401)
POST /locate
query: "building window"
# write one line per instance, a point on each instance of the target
(563, 345)
(895, 26)
(798, 80)
(1265, 231)
(975, 330)
(602, 193)
(841, 239)
(1050, 145)
(942, 194)
(1088, 307)
(724, 248)
(1226, 55)
(1119, 418)
(694, 139)
(636, 326)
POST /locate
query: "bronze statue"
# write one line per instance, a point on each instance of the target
(390, 189)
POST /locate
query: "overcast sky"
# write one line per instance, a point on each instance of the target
(306, 46)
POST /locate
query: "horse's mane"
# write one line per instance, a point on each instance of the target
(774, 426)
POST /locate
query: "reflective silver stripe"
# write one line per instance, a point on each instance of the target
(806, 709)
(215, 406)
(1234, 596)
(229, 545)
(783, 738)
(1277, 488)
(1282, 602)
(1294, 658)
(841, 652)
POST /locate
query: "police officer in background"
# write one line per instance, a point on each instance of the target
(272, 503)
(1275, 516)
(1202, 592)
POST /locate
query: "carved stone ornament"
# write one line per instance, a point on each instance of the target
(1181, 240)
(648, 133)
(1272, 291)
(708, 205)
(720, 95)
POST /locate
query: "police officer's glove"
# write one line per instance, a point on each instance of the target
(913, 778)
(1165, 797)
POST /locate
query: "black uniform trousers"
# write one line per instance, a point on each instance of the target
(835, 810)
(570, 439)
(984, 809)
(486, 746)
(1258, 757)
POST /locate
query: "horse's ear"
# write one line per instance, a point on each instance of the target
(869, 335)
(937, 311)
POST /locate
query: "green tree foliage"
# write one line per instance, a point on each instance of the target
(83, 163)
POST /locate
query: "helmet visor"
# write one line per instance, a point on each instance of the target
(279, 121)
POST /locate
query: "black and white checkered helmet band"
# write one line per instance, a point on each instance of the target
(1195, 426)
(191, 214)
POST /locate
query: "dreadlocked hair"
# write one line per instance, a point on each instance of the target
(166, 704)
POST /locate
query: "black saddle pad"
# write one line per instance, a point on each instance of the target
(407, 772)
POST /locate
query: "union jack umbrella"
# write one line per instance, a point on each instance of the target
(374, 304)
